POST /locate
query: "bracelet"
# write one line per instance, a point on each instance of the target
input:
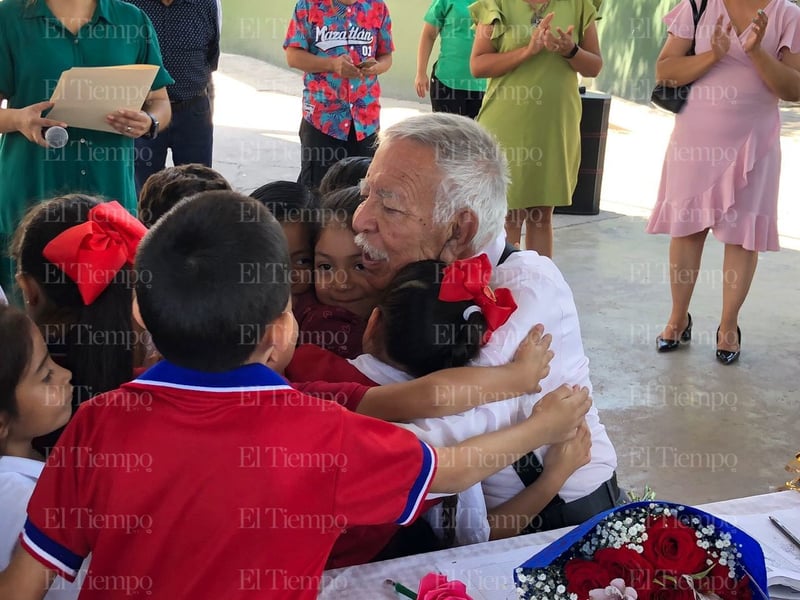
(572, 52)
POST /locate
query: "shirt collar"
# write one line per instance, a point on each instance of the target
(24, 466)
(40, 9)
(494, 250)
(252, 377)
(378, 371)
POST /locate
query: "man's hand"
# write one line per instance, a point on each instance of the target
(344, 67)
(531, 362)
(561, 412)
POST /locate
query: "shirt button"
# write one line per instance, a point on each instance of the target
(83, 171)
(83, 140)
(76, 41)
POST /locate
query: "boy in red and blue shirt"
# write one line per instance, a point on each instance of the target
(208, 476)
(341, 46)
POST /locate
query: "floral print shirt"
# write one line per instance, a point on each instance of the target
(330, 28)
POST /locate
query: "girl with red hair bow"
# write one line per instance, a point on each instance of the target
(74, 256)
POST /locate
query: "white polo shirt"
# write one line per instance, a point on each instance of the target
(542, 296)
(18, 477)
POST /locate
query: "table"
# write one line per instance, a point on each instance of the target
(487, 568)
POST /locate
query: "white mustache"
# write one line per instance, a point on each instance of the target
(361, 242)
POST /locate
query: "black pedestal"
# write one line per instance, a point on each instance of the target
(594, 130)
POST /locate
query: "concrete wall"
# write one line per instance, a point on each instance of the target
(631, 35)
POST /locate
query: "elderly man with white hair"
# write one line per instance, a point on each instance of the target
(436, 189)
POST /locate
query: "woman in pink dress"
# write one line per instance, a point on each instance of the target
(722, 165)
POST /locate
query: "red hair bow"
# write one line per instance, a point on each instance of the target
(469, 280)
(92, 253)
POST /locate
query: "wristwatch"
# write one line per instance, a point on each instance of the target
(153, 132)
(572, 52)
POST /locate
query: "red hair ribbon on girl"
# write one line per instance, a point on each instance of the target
(468, 279)
(92, 253)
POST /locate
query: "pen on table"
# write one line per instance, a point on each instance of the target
(782, 528)
(401, 589)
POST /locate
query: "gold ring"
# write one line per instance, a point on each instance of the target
(129, 129)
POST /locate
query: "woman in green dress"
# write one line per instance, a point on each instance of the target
(38, 40)
(533, 51)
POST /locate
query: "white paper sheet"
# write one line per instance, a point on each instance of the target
(781, 556)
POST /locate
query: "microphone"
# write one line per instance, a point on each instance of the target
(56, 137)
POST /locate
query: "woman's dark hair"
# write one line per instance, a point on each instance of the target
(16, 348)
(339, 207)
(344, 173)
(218, 270)
(422, 334)
(164, 189)
(97, 339)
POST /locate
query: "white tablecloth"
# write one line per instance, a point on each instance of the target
(487, 568)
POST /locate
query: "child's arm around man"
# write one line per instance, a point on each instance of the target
(236, 482)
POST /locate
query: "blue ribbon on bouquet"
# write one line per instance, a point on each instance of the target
(752, 560)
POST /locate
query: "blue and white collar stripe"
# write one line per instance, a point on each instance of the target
(247, 378)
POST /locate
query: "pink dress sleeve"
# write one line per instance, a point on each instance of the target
(790, 28)
(680, 21)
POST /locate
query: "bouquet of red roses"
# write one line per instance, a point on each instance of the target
(647, 551)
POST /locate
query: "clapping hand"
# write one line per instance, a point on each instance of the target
(721, 39)
(753, 41)
(539, 35)
(562, 43)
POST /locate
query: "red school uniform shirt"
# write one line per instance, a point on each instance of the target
(230, 485)
(331, 327)
(313, 364)
(329, 28)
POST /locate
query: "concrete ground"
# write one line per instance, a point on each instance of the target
(694, 430)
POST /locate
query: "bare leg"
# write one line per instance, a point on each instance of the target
(684, 265)
(539, 230)
(514, 219)
(738, 268)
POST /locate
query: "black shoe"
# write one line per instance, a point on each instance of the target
(665, 345)
(728, 357)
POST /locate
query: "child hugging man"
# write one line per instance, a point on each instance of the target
(208, 476)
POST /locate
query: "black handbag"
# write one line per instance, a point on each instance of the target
(674, 98)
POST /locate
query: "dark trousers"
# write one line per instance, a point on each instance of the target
(449, 100)
(190, 136)
(319, 151)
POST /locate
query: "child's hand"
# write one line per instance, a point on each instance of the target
(561, 412)
(531, 362)
(567, 457)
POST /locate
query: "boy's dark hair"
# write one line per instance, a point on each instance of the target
(344, 173)
(421, 333)
(213, 273)
(340, 206)
(16, 349)
(164, 189)
(97, 339)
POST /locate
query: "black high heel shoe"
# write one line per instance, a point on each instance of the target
(666, 345)
(728, 357)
